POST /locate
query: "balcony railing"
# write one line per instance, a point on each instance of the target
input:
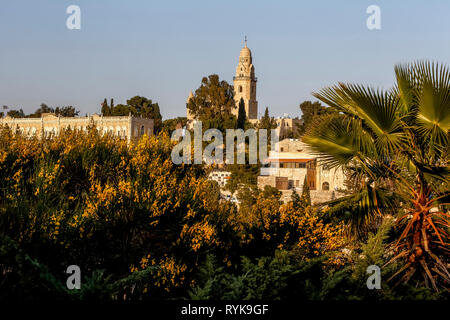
(245, 78)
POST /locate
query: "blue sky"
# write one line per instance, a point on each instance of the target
(162, 49)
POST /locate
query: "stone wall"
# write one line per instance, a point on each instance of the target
(281, 183)
(317, 196)
(125, 127)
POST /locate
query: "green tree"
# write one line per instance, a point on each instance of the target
(44, 108)
(295, 198)
(242, 117)
(137, 106)
(67, 111)
(106, 110)
(213, 103)
(310, 110)
(16, 113)
(170, 125)
(397, 140)
(144, 107)
(266, 121)
(305, 200)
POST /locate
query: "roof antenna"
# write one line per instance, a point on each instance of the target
(245, 41)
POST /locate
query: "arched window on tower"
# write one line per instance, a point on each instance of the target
(325, 186)
(240, 88)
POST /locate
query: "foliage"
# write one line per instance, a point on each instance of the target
(266, 278)
(108, 206)
(295, 198)
(67, 111)
(142, 228)
(270, 225)
(267, 122)
(137, 106)
(305, 199)
(242, 174)
(213, 104)
(169, 125)
(310, 110)
(16, 113)
(242, 116)
(397, 140)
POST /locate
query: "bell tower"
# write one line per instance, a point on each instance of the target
(245, 84)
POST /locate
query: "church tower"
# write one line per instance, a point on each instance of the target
(245, 84)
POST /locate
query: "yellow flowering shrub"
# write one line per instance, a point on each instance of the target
(97, 199)
(102, 203)
(281, 226)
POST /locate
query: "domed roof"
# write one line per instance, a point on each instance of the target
(245, 52)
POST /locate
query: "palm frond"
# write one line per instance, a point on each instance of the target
(377, 111)
(333, 138)
(363, 210)
(432, 99)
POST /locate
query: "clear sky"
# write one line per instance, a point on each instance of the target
(162, 49)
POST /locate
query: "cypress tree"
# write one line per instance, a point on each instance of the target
(241, 115)
(106, 111)
(295, 200)
(305, 199)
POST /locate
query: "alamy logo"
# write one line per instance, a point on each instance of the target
(214, 152)
(74, 20)
(74, 280)
(374, 20)
(374, 281)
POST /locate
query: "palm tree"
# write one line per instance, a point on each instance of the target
(396, 141)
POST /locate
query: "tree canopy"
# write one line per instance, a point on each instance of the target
(63, 111)
(137, 106)
(310, 110)
(396, 142)
(267, 122)
(213, 103)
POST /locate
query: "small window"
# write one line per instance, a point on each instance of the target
(142, 130)
(325, 186)
(240, 88)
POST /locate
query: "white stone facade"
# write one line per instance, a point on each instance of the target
(221, 177)
(126, 127)
(245, 84)
(291, 162)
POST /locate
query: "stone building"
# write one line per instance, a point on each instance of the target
(221, 177)
(287, 168)
(287, 126)
(126, 127)
(244, 87)
(245, 84)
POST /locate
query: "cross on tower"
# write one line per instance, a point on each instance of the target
(245, 40)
